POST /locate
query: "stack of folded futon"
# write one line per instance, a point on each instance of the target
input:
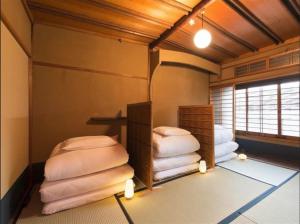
(174, 152)
(224, 146)
(83, 170)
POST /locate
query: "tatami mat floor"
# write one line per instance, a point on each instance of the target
(221, 196)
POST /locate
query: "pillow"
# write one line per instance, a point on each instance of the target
(88, 142)
(170, 131)
(83, 162)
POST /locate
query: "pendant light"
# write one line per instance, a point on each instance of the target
(203, 37)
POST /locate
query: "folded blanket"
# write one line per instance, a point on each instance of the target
(174, 145)
(225, 157)
(222, 135)
(225, 148)
(56, 190)
(83, 162)
(173, 172)
(72, 202)
(160, 164)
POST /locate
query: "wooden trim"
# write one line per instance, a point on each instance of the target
(260, 51)
(102, 72)
(94, 33)
(179, 23)
(279, 109)
(244, 12)
(85, 19)
(236, 39)
(27, 10)
(129, 12)
(273, 140)
(249, 78)
(293, 7)
(15, 35)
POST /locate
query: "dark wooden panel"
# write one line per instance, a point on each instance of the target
(199, 120)
(139, 140)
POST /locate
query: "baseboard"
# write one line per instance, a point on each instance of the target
(12, 202)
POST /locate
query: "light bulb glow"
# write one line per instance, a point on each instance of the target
(129, 189)
(192, 22)
(202, 166)
(202, 38)
(242, 156)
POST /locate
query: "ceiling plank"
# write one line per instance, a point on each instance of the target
(250, 17)
(177, 5)
(293, 7)
(188, 50)
(229, 35)
(129, 12)
(81, 18)
(184, 19)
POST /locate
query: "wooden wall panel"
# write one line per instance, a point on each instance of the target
(199, 120)
(139, 140)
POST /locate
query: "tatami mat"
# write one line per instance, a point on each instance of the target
(196, 198)
(106, 211)
(242, 220)
(282, 206)
(261, 171)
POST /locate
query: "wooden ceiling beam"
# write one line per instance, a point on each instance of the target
(181, 22)
(228, 34)
(244, 12)
(129, 12)
(84, 19)
(293, 7)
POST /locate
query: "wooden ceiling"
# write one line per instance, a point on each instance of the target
(237, 26)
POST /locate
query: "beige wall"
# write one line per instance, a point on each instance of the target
(174, 86)
(76, 76)
(14, 110)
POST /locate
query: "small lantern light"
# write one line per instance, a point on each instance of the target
(242, 156)
(202, 166)
(129, 189)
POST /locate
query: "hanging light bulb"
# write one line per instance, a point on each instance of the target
(203, 37)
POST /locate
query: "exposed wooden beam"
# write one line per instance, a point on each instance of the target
(177, 5)
(187, 50)
(251, 18)
(84, 19)
(181, 22)
(129, 12)
(229, 34)
(294, 8)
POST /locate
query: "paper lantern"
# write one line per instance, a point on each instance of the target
(242, 156)
(129, 189)
(202, 166)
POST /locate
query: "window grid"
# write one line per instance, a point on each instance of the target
(271, 110)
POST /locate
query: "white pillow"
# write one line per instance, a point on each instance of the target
(88, 142)
(170, 131)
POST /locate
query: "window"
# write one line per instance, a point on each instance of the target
(268, 108)
(222, 99)
(290, 108)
